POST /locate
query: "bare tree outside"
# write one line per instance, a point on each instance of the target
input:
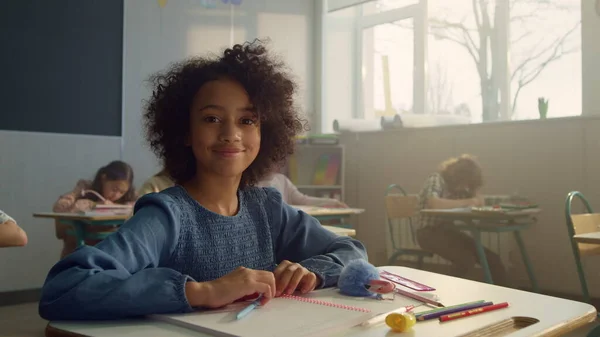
(531, 48)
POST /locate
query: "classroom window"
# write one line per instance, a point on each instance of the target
(485, 61)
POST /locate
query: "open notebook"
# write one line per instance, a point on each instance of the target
(320, 313)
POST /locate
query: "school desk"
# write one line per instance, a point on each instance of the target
(492, 222)
(552, 316)
(327, 213)
(593, 238)
(79, 222)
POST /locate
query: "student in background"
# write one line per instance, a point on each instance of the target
(113, 184)
(455, 185)
(158, 182)
(218, 124)
(292, 196)
(11, 235)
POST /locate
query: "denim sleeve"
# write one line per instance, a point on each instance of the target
(120, 277)
(300, 238)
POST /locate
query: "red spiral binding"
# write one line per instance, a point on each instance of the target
(325, 303)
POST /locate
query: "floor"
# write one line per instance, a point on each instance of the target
(23, 321)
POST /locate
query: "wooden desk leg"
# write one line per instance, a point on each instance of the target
(482, 258)
(527, 262)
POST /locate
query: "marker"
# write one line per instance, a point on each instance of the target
(472, 312)
(249, 308)
(420, 314)
(451, 310)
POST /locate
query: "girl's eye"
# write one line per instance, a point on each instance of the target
(248, 121)
(211, 119)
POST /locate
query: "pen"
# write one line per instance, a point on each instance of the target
(420, 314)
(249, 308)
(418, 297)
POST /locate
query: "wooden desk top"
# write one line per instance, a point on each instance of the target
(467, 213)
(341, 231)
(556, 316)
(310, 210)
(79, 216)
(593, 237)
(322, 211)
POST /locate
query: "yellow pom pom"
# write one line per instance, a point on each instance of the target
(400, 322)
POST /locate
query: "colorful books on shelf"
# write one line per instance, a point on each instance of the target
(327, 169)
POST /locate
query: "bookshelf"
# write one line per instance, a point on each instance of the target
(318, 169)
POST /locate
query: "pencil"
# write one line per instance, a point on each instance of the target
(450, 307)
(472, 312)
(451, 310)
(418, 297)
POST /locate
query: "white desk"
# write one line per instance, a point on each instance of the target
(593, 238)
(556, 316)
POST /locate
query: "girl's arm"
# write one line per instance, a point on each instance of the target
(72, 202)
(11, 235)
(120, 277)
(300, 238)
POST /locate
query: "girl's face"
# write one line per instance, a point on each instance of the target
(113, 190)
(224, 129)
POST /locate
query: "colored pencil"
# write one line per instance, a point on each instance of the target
(450, 307)
(451, 310)
(418, 297)
(472, 312)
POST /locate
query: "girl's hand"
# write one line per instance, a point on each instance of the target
(336, 204)
(106, 202)
(291, 276)
(231, 287)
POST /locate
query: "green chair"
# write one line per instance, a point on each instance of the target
(400, 210)
(580, 224)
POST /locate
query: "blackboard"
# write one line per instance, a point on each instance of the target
(62, 61)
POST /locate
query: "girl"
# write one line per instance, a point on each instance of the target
(456, 185)
(113, 183)
(218, 125)
(293, 196)
(158, 182)
(11, 235)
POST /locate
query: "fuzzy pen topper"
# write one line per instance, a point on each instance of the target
(359, 278)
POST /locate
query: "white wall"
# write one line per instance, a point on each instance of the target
(35, 168)
(155, 37)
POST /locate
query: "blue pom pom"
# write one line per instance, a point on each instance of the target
(355, 276)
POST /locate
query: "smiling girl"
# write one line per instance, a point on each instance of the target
(218, 125)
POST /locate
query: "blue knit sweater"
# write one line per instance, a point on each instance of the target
(171, 239)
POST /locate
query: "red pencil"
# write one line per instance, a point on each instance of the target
(471, 312)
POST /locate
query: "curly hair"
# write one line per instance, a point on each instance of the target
(271, 91)
(463, 170)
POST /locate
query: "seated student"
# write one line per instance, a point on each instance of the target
(218, 124)
(113, 183)
(292, 196)
(11, 235)
(158, 182)
(455, 185)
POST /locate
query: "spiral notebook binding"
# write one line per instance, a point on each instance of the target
(325, 303)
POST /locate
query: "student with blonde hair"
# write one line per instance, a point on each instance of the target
(11, 235)
(156, 183)
(456, 184)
